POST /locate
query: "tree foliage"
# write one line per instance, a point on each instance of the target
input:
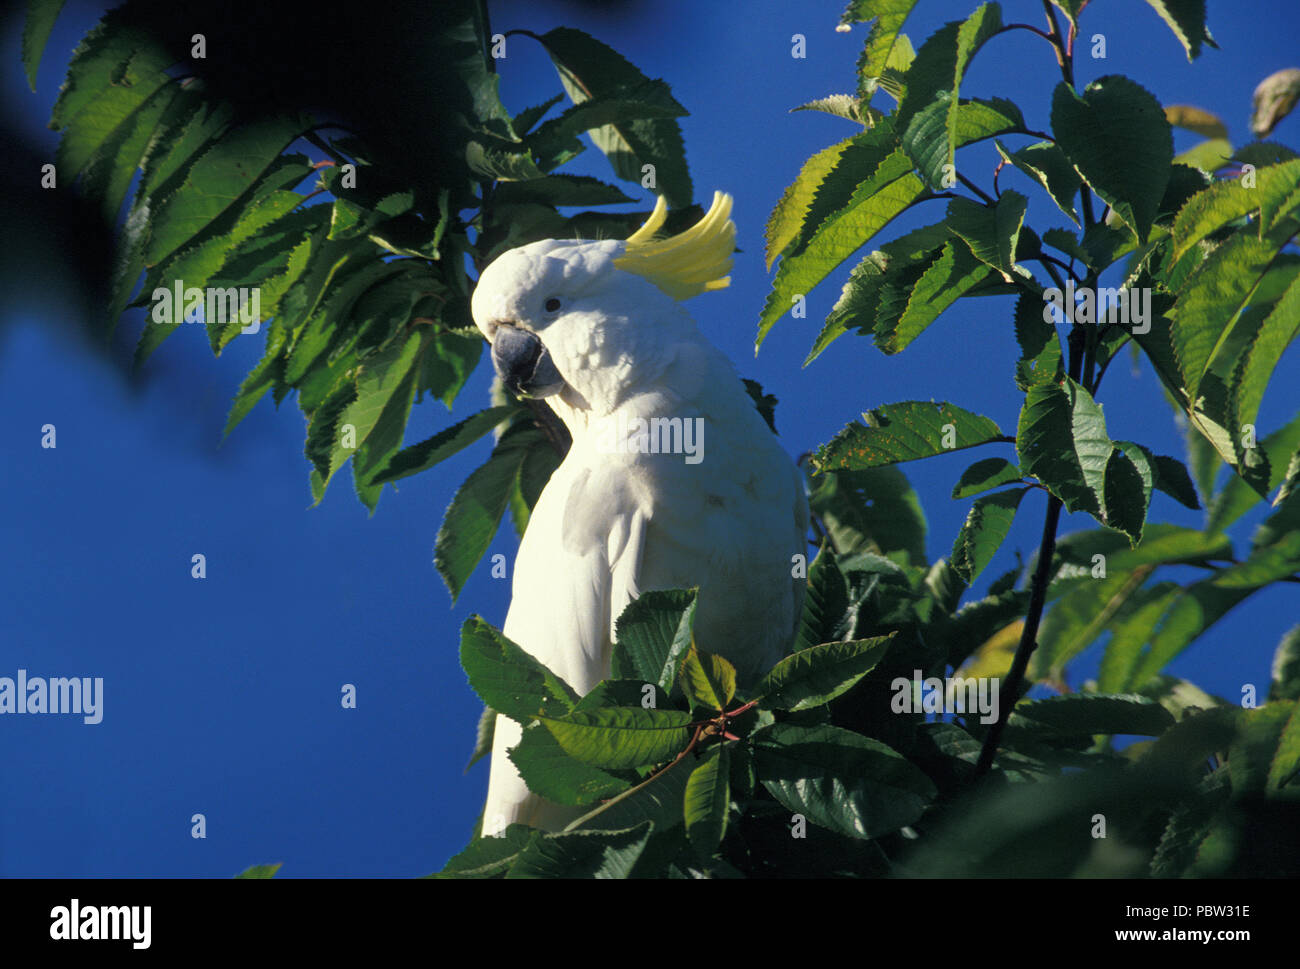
(846, 759)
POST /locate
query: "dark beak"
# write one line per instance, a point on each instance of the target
(523, 364)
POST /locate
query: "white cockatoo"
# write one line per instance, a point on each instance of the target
(703, 496)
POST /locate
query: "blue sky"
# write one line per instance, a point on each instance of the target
(222, 695)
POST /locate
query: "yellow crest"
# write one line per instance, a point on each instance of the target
(690, 262)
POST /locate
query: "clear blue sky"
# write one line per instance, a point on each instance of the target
(222, 695)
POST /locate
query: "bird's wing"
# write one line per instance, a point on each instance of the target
(575, 573)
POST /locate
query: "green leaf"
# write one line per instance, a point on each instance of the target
(1227, 200)
(953, 274)
(1117, 137)
(559, 190)
(1203, 603)
(984, 475)
(589, 69)
(1208, 156)
(1062, 442)
(889, 16)
(844, 106)
(621, 737)
(1040, 349)
(1172, 478)
(790, 214)
(261, 871)
(825, 602)
(991, 231)
(904, 432)
(1265, 754)
(1048, 165)
(847, 225)
(1186, 18)
(490, 857)
(523, 122)
(940, 66)
(889, 276)
(475, 513)
(448, 441)
(1091, 713)
(551, 142)
(1286, 667)
(216, 179)
(384, 379)
(839, 779)
(708, 681)
(507, 678)
(816, 675)
(551, 773)
(1207, 311)
(1129, 478)
(483, 736)
(937, 129)
(657, 799)
(653, 634)
(1238, 496)
(872, 510)
(1251, 375)
(984, 530)
(41, 15)
(582, 854)
(708, 796)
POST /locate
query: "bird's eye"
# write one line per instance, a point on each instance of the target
(552, 305)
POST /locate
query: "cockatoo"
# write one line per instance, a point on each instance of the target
(673, 479)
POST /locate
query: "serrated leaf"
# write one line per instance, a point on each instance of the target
(937, 128)
(708, 681)
(551, 773)
(825, 602)
(582, 854)
(875, 201)
(653, 634)
(940, 66)
(621, 737)
(1040, 349)
(1186, 18)
(1230, 199)
(905, 431)
(1129, 478)
(991, 231)
(507, 678)
(844, 106)
(889, 16)
(1062, 441)
(216, 179)
(1172, 478)
(984, 530)
(813, 676)
(475, 513)
(839, 779)
(448, 441)
(984, 475)
(1285, 674)
(559, 190)
(589, 69)
(1048, 165)
(1117, 137)
(1091, 713)
(707, 798)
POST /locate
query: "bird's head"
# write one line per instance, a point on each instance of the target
(592, 318)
